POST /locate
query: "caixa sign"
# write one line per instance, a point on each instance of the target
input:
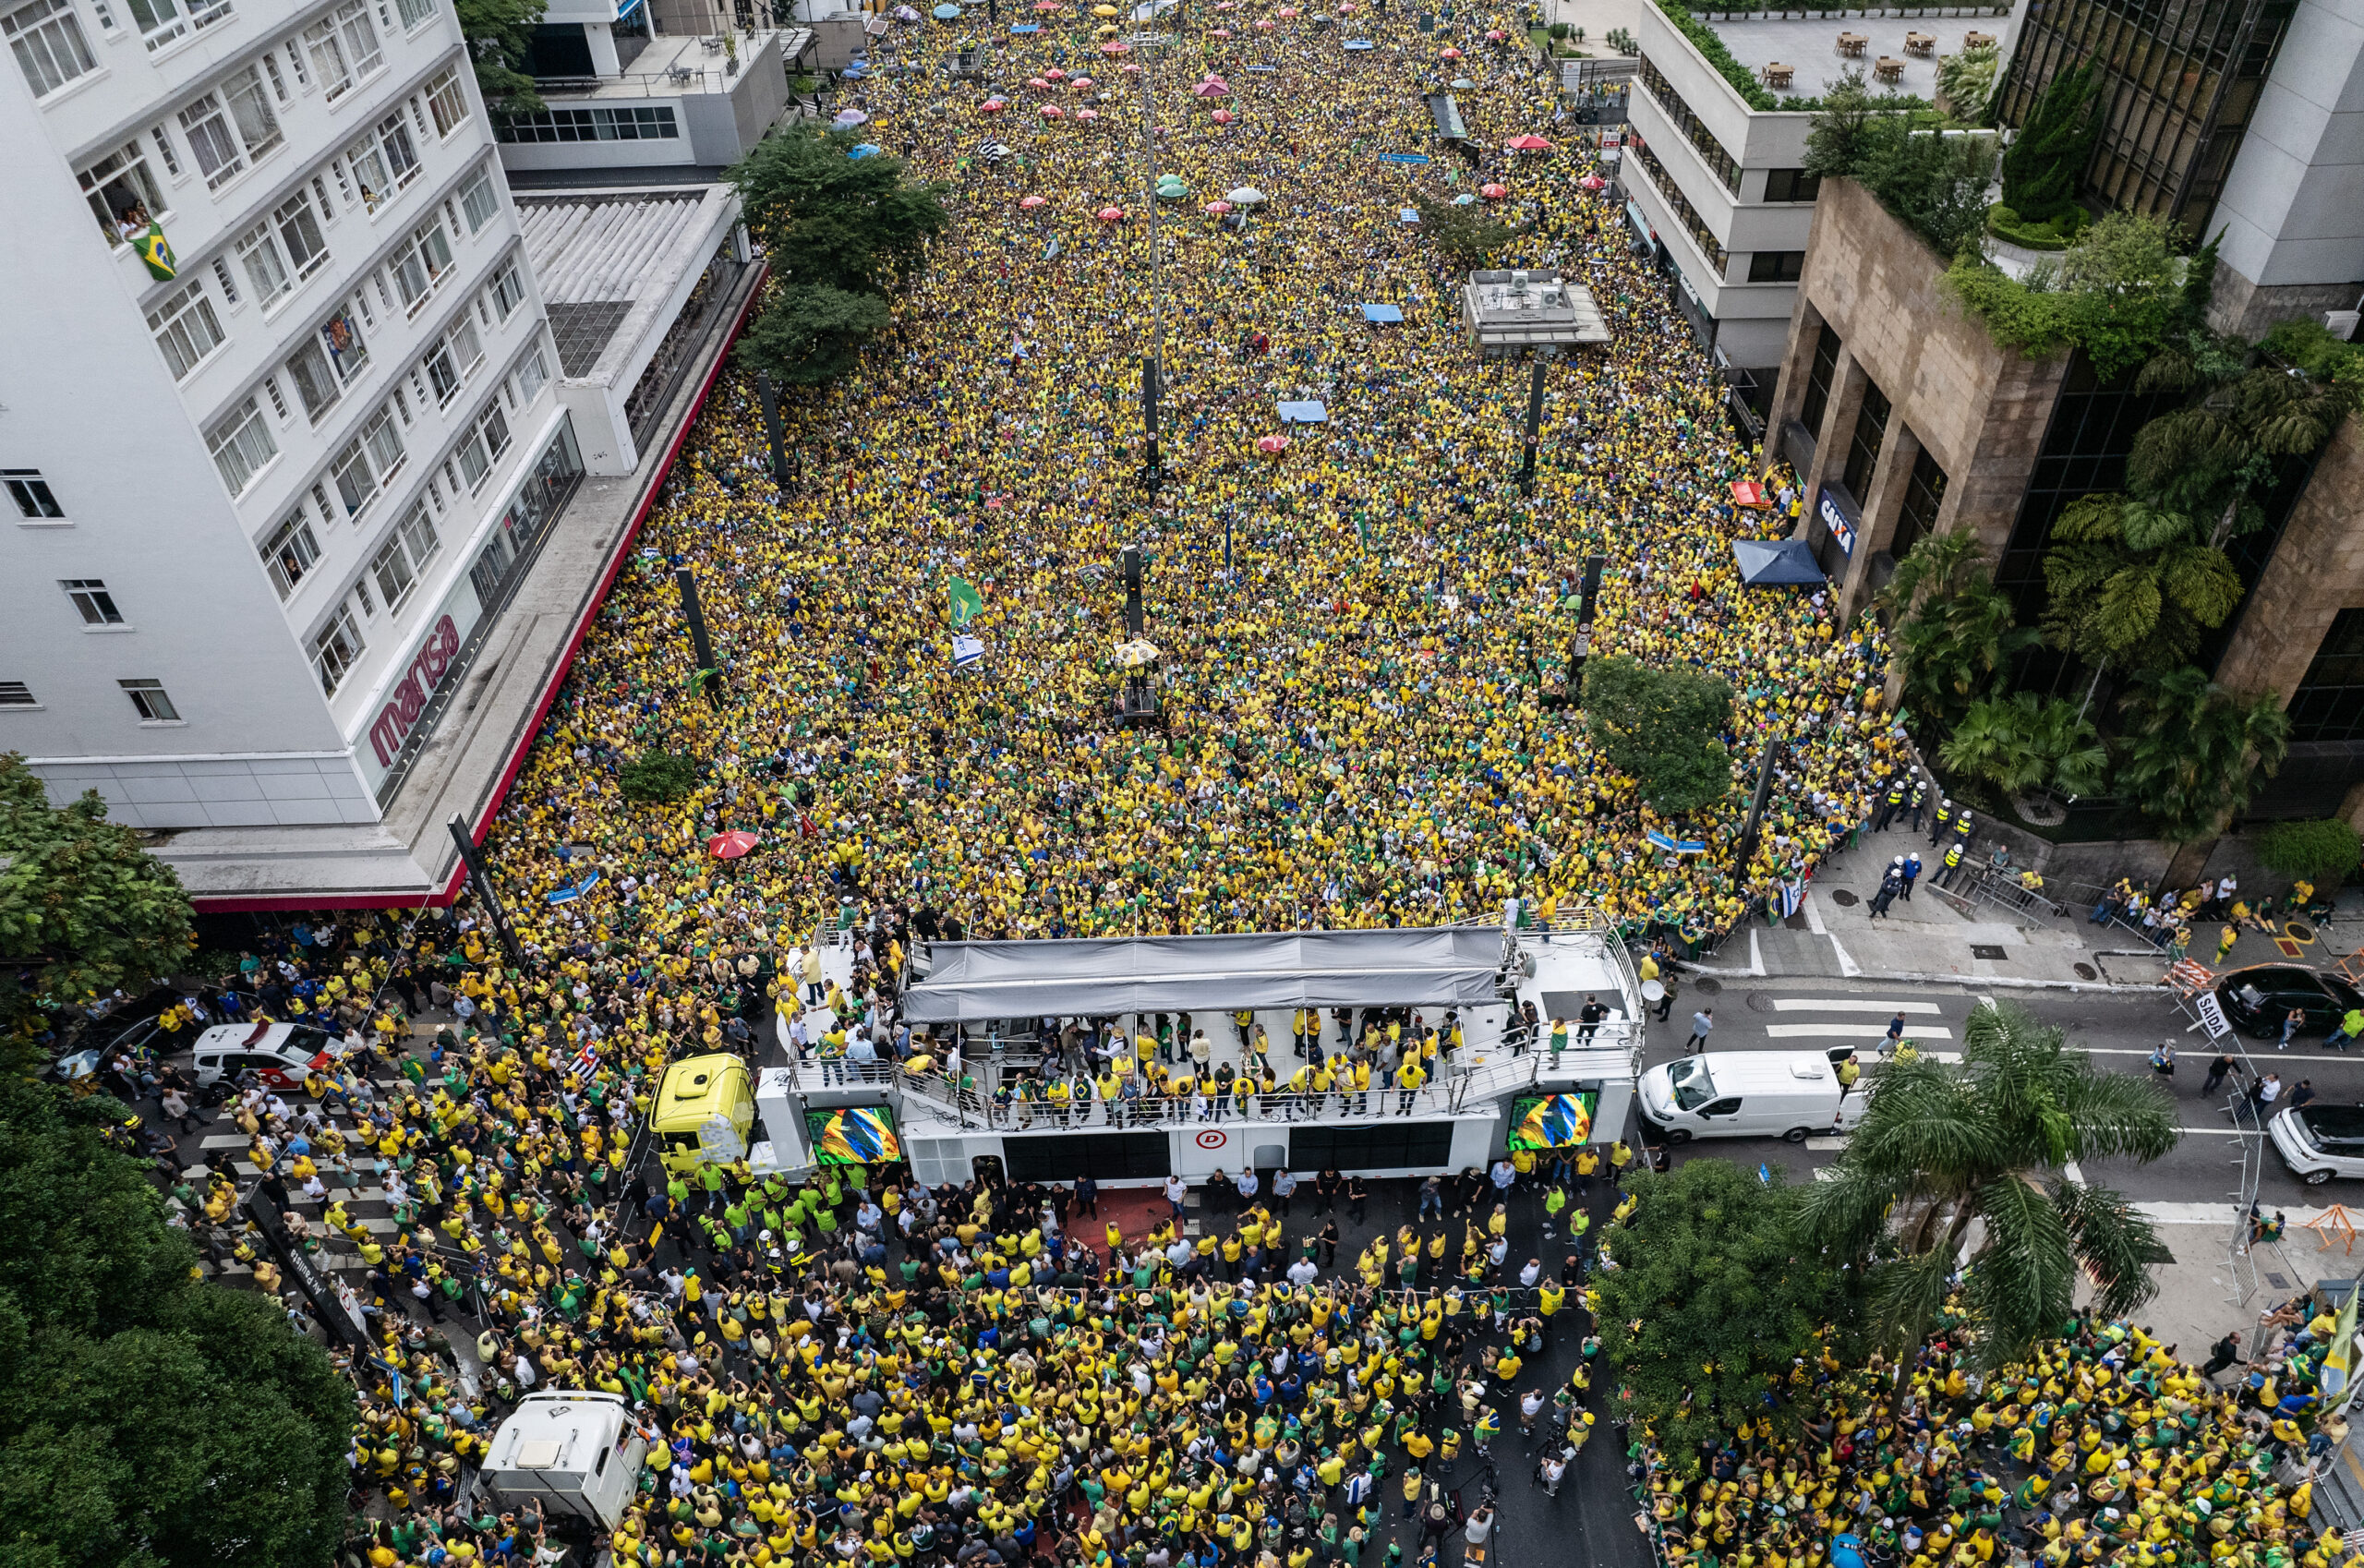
(408, 699)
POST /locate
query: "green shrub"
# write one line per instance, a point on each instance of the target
(658, 776)
(1559, 30)
(2004, 223)
(2324, 852)
(2116, 293)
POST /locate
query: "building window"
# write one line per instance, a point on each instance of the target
(160, 21)
(422, 262)
(453, 358)
(1925, 492)
(1686, 216)
(290, 551)
(418, 534)
(507, 290)
(90, 597)
(1819, 377)
(447, 101)
(186, 328)
(479, 200)
(16, 693)
(46, 38)
(384, 161)
(299, 232)
(368, 460)
(148, 699)
(533, 374)
(32, 494)
(1711, 151)
(266, 270)
(645, 123)
(2329, 704)
(415, 14)
(337, 649)
(391, 567)
(242, 446)
(117, 186)
(486, 438)
(344, 48)
(1777, 266)
(1791, 185)
(229, 129)
(164, 148)
(1864, 448)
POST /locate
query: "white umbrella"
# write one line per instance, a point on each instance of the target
(1247, 196)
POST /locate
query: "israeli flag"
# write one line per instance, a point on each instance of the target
(1792, 895)
(966, 651)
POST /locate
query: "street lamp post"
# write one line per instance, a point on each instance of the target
(1153, 362)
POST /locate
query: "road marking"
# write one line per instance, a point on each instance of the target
(1821, 1144)
(1843, 1005)
(2262, 1055)
(1851, 1030)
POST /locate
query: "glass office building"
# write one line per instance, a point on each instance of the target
(2179, 84)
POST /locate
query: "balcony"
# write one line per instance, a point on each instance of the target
(675, 101)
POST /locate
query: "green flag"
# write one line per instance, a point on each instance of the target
(966, 601)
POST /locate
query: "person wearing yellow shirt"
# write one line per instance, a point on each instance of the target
(1408, 1079)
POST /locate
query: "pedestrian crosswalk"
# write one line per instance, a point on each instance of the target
(1847, 1021)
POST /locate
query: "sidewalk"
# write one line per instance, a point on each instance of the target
(1931, 937)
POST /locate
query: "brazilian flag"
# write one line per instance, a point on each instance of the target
(966, 601)
(153, 251)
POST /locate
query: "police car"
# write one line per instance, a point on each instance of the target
(281, 1053)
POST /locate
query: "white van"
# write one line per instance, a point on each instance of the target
(1746, 1095)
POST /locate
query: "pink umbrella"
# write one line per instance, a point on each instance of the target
(1113, 48)
(1221, 117)
(1082, 84)
(1208, 89)
(1052, 111)
(1227, 4)
(1493, 192)
(1055, 74)
(1448, 54)
(1272, 446)
(1530, 143)
(1087, 113)
(1038, 84)
(1111, 214)
(1033, 201)
(1592, 182)
(1287, 11)
(732, 845)
(1264, 24)
(1495, 35)
(1133, 70)
(1347, 9)
(1217, 209)
(1048, 5)
(992, 106)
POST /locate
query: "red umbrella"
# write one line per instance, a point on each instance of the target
(1272, 445)
(1081, 84)
(1592, 182)
(1530, 143)
(1031, 201)
(732, 845)
(1087, 113)
(1221, 117)
(1111, 214)
(1038, 84)
(1217, 209)
(1051, 112)
(992, 106)
(1264, 23)
(1495, 35)
(1493, 192)
(1055, 74)
(1448, 54)
(1113, 47)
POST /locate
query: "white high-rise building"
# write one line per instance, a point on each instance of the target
(257, 510)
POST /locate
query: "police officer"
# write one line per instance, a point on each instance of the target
(1945, 819)
(1891, 803)
(1945, 878)
(1961, 828)
(1919, 799)
(1912, 876)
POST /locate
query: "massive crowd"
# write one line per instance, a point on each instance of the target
(1360, 634)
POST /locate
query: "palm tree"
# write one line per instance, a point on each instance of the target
(1961, 634)
(2128, 585)
(2019, 742)
(2207, 456)
(1943, 1146)
(2193, 749)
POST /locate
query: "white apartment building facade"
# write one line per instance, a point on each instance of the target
(258, 511)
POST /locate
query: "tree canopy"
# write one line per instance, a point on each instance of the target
(812, 333)
(147, 1419)
(2042, 170)
(2192, 751)
(1663, 728)
(1713, 1297)
(830, 220)
(500, 35)
(1936, 185)
(1469, 234)
(1942, 1146)
(84, 909)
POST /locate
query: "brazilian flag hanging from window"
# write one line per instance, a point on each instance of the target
(153, 251)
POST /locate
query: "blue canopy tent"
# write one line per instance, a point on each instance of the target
(1777, 563)
(1304, 414)
(1383, 313)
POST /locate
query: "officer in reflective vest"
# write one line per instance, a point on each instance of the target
(1944, 818)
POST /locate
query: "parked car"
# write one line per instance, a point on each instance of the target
(2257, 998)
(282, 1053)
(2320, 1141)
(1746, 1095)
